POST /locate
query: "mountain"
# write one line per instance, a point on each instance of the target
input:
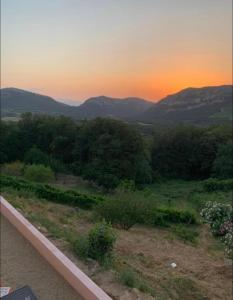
(15, 101)
(112, 107)
(207, 105)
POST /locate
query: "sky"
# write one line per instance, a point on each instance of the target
(76, 49)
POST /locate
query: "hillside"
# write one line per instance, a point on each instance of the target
(15, 101)
(112, 107)
(193, 105)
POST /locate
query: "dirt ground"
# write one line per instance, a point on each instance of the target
(22, 265)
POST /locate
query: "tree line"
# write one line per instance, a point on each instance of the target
(108, 151)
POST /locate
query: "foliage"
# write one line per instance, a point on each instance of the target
(38, 173)
(35, 156)
(220, 218)
(187, 152)
(213, 184)
(216, 214)
(188, 234)
(125, 211)
(223, 163)
(126, 186)
(98, 244)
(108, 151)
(128, 277)
(81, 247)
(101, 240)
(14, 168)
(69, 197)
(228, 242)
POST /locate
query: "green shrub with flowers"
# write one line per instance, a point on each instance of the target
(219, 216)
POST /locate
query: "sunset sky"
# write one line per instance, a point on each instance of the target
(75, 49)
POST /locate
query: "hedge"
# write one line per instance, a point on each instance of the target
(162, 216)
(213, 184)
(50, 193)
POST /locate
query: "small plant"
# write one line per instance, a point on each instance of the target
(101, 240)
(14, 168)
(129, 278)
(186, 234)
(81, 247)
(39, 173)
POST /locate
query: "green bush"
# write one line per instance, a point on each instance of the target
(38, 173)
(162, 216)
(213, 184)
(125, 211)
(185, 233)
(35, 156)
(81, 247)
(129, 278)
(68, 197)
(101, 240)
(14, 168)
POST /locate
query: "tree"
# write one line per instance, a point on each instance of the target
(223, 163)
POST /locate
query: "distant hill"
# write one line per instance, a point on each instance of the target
(205, 105)
(112, 107)
(15, 101)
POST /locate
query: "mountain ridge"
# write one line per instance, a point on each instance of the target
(210, 104)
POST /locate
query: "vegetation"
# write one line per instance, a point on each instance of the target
(158, 178)
(219, 216)
(109, 152)
(69, 197)
(38, 173)
(213, 184)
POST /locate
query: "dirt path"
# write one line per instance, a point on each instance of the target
(22, 265)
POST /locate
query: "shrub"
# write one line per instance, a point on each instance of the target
(14, 168)
(186, 233)
(126, 211)
(213, 184)
(216, 214)
(39, 173)
(223, 163)
(228, 242)
(81, 247)
(163, 216)
(50, 193)
(129, 278)
(101, 240)
(36, 157)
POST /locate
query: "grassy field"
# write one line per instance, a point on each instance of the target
(141, 266)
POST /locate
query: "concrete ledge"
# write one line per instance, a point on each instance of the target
(62, 264)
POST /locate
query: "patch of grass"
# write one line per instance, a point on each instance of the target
(186, 233)
(81, 247)
(183, 287)
(132, 279)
